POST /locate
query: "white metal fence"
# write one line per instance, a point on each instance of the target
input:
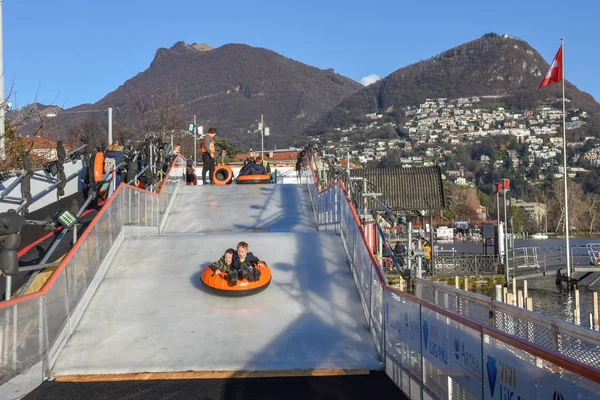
(35, 327)
(445, 343)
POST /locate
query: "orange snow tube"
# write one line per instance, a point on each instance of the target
(253, 179)
(219, 282)
(223, 175)
(97, 167)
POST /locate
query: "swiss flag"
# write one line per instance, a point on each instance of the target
(555, 73)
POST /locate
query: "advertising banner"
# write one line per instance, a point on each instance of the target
(465, 367)
(436, 352)
(403, 332)
(512, 374)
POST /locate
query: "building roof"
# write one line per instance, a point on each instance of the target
(39, 142)
(410, 189)
(278, 157)
(344, 164)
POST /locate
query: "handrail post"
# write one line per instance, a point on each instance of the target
(8, 291)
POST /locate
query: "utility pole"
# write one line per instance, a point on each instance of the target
(497, 207)
(565, 171)
(110, 139)
(348, 173)
(264, 131)
(365, 200)
(2, 100)
(409, 247)
(195, 138)
(506, 189)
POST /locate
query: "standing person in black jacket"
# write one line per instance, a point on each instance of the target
(400, 252)
(243, 265)
(207, 147)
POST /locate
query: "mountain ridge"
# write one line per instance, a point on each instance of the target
(490, 65)
(228, 87)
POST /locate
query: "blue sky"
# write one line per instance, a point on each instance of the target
(69, 52)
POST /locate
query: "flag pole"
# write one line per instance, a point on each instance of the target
(565, 174)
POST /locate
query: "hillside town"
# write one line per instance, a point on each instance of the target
(437, 126)
(474, 143)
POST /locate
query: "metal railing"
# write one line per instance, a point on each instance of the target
(35, 327)
(465, 264)
(523, 259)
(22, 183)
(449, 343)
(573, 341)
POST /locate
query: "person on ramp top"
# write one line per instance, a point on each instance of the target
(244, 265)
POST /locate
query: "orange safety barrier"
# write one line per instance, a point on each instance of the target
(223, 175)
(221, 284)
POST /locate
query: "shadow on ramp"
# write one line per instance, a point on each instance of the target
(281, 208)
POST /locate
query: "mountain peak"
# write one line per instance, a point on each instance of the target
(230, 87)
(180, 48)
(202, 47)
(494, 66)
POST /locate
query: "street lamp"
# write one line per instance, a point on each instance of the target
(196, 130)
(264, 131)
(110, 139)
(2, 152)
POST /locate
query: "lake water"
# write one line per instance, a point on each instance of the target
(477, 247)
(548, 298)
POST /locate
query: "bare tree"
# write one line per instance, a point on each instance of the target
(157, 113)
(91, 132)
(592, 208)
(34, 121)
(463, 201)
(576, 206)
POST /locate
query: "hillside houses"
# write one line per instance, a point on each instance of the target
(439, 125)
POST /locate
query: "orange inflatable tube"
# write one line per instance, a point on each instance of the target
(253, 179)
(97, 167)
(219, 282)
(223, 175)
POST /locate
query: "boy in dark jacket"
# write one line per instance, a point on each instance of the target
(243, 264)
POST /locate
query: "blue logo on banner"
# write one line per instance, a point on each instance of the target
(425, 331)
(491, 370)
(557, 396)
(457, 349)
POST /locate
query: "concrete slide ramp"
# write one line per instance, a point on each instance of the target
(151, 313)
(239, 208)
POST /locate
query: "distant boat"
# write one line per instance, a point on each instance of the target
(539, 236)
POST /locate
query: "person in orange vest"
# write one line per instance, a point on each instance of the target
(207, 147)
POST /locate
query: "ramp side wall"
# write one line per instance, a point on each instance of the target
(35, 327)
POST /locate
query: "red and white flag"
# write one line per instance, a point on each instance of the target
(555, 73)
